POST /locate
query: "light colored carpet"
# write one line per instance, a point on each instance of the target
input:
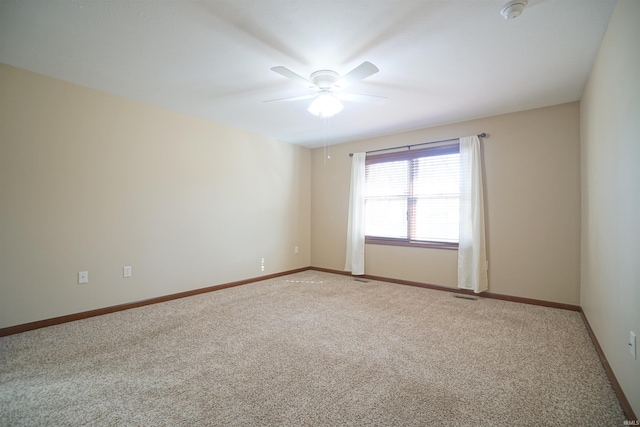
(311, 349)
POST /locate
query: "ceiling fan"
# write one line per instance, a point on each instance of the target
(328, 86)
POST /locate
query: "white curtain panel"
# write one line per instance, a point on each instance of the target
(355, 228)
(472, 253)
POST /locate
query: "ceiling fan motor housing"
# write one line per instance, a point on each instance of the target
(324, 79)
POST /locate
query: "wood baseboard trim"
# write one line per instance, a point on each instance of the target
(11, 330)
(626, 406)
(328, 270)
(491, 295)
(531, 301)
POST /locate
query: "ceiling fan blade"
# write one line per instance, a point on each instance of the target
(361, 72)
(364, 99)
(293, 98)
(284, 71)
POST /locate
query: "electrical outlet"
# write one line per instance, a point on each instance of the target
(262, 265)
(295, 250)
(126, 271)
(83, 277)
(632, 344)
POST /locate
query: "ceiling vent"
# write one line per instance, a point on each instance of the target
(513, 9)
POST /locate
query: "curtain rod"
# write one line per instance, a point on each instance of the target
(480, 135)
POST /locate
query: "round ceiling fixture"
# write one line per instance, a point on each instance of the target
(513, 9)
(325, 105)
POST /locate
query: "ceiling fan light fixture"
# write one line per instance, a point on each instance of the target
(325, 105)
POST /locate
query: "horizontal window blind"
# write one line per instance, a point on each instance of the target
(386, 199)
(413, 196)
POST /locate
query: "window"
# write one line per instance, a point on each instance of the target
(412, 197)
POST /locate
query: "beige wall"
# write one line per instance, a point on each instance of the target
(610, 131)
(90, 181)
(532, 167)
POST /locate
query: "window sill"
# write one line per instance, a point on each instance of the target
(410, 243)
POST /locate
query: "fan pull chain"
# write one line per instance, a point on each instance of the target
(324, 141)
(327, 138)
(327, 146)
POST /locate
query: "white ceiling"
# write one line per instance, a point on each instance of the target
(439, 61)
